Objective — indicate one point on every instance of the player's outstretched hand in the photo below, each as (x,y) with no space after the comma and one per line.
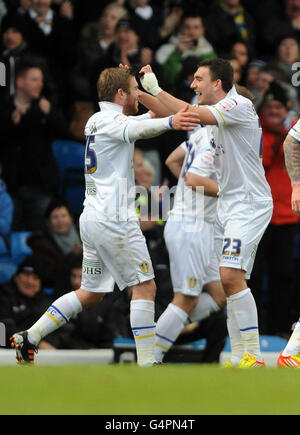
(296,199)
(185,120)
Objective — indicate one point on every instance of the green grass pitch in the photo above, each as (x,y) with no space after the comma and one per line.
(170,389)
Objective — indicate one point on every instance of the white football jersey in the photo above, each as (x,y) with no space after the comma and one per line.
(238,149)
(295,131)
(199,160)
(109,173)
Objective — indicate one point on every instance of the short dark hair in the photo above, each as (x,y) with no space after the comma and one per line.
(25,67)
(54,204)
(220,69)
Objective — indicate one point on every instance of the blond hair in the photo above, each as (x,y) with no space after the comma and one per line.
(111,80)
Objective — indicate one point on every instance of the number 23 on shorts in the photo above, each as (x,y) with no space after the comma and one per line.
(231,246)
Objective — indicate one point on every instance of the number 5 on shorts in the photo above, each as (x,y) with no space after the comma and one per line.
(90,156)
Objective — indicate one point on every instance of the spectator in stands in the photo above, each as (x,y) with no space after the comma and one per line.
(14,48)
(173,15)
(55,246)
(29,124)
(276,249)
(264,79)
(146,20)
(252,72)
(185,79)
(95,39)
(280,25)
(52,36)
(14,53)
(237,70)
(22,300)
(126,50)
(240,51)
(227,23)
(274,73)
(92,328)
(288,53)
(190,41)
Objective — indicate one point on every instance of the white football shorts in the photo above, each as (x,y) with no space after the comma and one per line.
(113,252)
(239,228)
(193,262)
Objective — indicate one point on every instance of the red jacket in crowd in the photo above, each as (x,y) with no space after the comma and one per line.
(276,173)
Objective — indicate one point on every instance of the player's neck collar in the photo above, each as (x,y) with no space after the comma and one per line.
(107,105)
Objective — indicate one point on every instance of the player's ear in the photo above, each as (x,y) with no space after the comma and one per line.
(218,84)
(121,93)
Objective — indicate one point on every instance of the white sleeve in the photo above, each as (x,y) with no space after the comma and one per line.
(146,128)
(230,111)
(128,129)
(141,117)
(295,131)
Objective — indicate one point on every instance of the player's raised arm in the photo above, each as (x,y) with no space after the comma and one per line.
(292,160)
(173,104)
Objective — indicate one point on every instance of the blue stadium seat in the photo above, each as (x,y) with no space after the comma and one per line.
(7,270)
(3,248)
(18,246)
(70,157)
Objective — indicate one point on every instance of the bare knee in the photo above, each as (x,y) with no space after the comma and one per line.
(186,303)
(88,299)
(233,280)
(145,290)
(216,291)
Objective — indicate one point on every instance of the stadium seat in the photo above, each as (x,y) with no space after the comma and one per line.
(3,248)
(18,245)
(70,156)
(7,270)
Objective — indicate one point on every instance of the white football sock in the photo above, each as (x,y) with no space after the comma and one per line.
(244,308)
(236,342)
(206,305)
(143,329)
(57,315)
(293,346)
(168,328)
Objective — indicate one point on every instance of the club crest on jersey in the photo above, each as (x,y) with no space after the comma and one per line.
(121,118)
(145,267)
(192,282)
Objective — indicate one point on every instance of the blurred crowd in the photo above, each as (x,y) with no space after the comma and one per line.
(53,52)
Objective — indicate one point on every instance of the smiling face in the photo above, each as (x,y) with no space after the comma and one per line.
(29,284)
(60,221)
(204,86)
(274,112)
